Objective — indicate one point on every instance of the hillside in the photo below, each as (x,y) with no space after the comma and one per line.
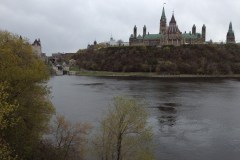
(187,59)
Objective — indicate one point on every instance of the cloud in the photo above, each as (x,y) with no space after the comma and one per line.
(67,25)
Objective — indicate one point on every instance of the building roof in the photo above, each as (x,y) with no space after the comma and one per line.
(173,28)
(37,42)
(139,37)
(191,36)
(153,36)
(173,21)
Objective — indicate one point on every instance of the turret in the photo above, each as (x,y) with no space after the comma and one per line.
(163,22)
(144,31)
(36,46)
(194,29)
(230,34)
(135,31)
(95,43)
(39,41)
(204,33)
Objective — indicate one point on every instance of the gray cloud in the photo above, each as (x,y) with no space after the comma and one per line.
(67,25)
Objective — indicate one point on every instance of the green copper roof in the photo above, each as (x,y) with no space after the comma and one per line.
(190,36)
(153,36)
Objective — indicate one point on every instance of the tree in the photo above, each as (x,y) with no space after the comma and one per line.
(69,139)
(5,152)
(25,74)
(7,120)
(124,133)
(65,141)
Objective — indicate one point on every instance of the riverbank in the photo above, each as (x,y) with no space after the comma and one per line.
(148,75)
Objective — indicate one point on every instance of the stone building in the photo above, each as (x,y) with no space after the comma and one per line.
(168,35)
(230,35)
(37,48)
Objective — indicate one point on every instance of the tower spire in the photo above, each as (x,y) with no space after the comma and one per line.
(163,22)
(230,34)
(163,17)
(230,27)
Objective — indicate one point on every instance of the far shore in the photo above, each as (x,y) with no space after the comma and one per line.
(149,75)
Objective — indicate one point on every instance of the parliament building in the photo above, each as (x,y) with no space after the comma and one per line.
(168,35)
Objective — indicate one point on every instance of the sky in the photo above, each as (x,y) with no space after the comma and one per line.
(69,25)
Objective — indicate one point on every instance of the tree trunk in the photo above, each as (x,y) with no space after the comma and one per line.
(119,147)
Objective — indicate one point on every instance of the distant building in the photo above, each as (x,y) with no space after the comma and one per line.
(112,42)
(36,47)
(230,35)
(168,35)
(95,43)
(119,42)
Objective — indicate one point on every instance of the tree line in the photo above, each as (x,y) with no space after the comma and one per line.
(211,59)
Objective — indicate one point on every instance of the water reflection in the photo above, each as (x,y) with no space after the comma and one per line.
(168,114)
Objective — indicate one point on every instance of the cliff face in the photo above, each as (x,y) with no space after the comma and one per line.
(189,59)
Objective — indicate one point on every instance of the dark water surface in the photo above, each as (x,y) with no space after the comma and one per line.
(192,119)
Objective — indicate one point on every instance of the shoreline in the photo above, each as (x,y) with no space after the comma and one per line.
(148,75)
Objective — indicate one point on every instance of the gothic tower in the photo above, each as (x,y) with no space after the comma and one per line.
(230,34)
(135,31)
(174,34)
(144,31)
(194,29)
(204,33)
(163,22)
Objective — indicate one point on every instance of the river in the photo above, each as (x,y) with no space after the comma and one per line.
(192,119)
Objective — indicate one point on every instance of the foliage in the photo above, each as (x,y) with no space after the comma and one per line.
(124,133)
(187,59)
(8,119)
(66,141)
(7,111)
(27,95)
(5,152)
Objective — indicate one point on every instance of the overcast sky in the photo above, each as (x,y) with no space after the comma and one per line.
(68,25)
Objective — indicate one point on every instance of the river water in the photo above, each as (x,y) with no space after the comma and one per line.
(192,119)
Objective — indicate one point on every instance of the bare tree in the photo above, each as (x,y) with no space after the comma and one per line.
(124,133)
(69,139)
